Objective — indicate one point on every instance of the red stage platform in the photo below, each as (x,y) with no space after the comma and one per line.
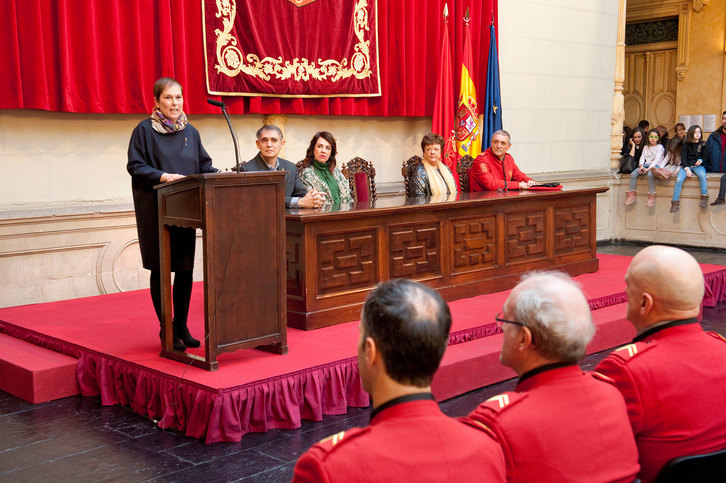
(115,339)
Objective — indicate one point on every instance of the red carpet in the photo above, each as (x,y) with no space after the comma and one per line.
(115,338)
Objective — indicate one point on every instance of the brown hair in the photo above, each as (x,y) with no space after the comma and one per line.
(163,84)
(310,154)
(430,139)
(691,131)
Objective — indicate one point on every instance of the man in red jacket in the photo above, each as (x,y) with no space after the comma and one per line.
(404,331)
(673,375)
(494,169)
(560,423)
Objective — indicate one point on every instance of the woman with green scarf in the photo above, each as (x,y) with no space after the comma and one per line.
(320,173)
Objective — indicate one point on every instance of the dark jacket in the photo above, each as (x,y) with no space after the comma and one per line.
(692,152)
(150,155)
(419,184)
(294,187)
(715,152)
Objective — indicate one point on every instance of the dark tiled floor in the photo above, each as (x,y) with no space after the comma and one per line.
(76,439)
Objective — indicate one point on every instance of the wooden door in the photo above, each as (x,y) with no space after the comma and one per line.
(650,86)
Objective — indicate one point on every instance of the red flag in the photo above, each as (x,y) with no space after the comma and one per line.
(444,108)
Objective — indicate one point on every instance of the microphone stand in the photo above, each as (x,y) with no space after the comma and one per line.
(229,123)
(504,175)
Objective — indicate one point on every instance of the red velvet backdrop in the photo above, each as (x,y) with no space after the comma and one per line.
(296,55)
(91,56)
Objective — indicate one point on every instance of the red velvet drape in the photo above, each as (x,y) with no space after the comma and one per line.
(104,56)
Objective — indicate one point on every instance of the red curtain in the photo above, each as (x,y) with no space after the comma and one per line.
(103,57)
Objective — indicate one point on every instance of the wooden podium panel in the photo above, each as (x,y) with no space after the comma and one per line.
(473,244)
(242,218)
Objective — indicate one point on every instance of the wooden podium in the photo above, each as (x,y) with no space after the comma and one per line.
(242,217)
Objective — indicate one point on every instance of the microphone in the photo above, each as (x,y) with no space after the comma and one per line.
(223,106)
(216,103)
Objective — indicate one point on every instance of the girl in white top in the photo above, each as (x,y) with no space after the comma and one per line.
(653,157)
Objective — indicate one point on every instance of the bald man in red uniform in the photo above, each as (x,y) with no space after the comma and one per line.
(560,423)
(404,331)
(487,173)
(673,375)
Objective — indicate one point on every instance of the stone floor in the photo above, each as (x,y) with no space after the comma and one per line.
(76,439)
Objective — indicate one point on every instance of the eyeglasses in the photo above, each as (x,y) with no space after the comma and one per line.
(654,136)
(500,321)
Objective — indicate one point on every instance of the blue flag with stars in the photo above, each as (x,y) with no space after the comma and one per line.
(492,110)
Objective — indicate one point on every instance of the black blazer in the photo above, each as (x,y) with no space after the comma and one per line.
(294,187)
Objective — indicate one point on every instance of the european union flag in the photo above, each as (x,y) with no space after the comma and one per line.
(492,100)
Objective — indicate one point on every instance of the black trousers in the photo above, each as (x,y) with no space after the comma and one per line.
(722,187)
(181,295)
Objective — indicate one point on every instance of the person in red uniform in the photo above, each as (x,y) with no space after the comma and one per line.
(487,173)
(673,375)
(404,331)
(560,423)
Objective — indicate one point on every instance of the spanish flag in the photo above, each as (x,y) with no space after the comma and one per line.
(468,139)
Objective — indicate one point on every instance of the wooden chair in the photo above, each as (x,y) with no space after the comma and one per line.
(463,169)
(704,468)
(353,168)
(409,166)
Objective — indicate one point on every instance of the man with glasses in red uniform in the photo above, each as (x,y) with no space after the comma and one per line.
(560,423)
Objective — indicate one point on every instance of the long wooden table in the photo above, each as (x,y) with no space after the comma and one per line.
(476,243)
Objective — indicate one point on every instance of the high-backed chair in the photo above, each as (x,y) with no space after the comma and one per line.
(463,169)
(409,166)
(362,179)
(704,468)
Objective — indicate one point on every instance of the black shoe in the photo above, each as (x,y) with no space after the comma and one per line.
(183,333)
(178,345)
(718,201)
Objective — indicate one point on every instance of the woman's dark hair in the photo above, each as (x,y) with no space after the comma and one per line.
(163,84)
(430,139)
(643,137)
(691,130)
(310,154)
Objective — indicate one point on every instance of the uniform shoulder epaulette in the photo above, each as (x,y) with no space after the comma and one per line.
(603,377)
(338,439)
(716,335)
(502,402)
(630,351)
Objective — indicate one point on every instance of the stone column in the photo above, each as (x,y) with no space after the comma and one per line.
(616,137)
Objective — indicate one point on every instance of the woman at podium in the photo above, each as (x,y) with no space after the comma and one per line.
(163,148)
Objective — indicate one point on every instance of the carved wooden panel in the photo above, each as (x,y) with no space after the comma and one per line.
(525,236)
(473,244)
(293,264)
(347,261)
(572,229)
(414,250)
